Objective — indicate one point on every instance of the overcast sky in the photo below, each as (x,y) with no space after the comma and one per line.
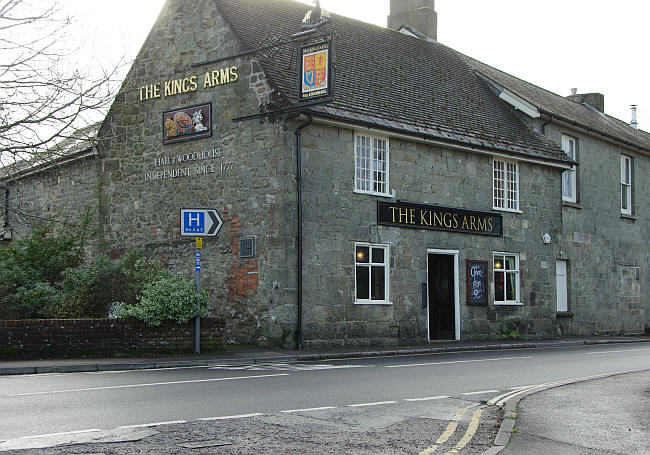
(592,45)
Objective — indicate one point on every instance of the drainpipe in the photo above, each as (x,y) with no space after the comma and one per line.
(6,190)
(298,134)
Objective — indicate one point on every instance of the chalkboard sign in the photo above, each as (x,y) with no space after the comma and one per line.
(477,282)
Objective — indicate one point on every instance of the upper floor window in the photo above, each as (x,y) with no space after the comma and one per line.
(505,186)
(626,185)
(569,181)
(371,165)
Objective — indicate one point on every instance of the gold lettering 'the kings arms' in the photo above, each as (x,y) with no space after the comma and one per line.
(404,215)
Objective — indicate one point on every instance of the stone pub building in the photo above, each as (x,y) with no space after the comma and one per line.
(376,187)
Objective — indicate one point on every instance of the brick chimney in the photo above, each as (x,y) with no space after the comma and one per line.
(419,14)
(596,100)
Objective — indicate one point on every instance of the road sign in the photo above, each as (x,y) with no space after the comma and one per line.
(200,222)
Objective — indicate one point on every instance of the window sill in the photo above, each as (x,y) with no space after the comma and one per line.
(498,209)
(573,205)
(563,314)
(370,193)
(626,216)
(372,302)
(508,304)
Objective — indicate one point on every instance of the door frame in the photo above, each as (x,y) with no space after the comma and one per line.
(455,254)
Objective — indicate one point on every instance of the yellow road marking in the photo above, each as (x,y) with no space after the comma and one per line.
(469,434)
(449,431)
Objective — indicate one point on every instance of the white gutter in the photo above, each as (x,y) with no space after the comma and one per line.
(464,148)
(519,103)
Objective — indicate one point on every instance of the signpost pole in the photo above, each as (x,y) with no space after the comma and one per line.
(199,223)
(197,324)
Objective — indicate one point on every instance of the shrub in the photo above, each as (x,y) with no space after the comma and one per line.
(31,301)
(98,285)
(43,276)
(510,330)
(165,299)
(31,270)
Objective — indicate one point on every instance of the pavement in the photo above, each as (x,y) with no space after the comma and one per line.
(606,416)
(255,356)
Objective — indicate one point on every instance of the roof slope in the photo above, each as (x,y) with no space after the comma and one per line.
(390,80)
(563,108)
(73,146)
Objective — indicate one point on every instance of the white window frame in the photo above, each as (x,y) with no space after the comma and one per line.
(370,184)
(516,271)
(505,186)
(626,184)
(369,264)
(569,147)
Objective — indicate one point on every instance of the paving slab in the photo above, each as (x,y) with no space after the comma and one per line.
(598,417)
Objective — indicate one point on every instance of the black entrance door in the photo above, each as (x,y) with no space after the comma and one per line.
(441,297)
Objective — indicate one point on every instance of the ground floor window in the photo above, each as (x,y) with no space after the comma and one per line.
(371,273)
(506,279)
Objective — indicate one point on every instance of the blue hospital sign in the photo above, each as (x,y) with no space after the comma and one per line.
(194,222)
(200,222)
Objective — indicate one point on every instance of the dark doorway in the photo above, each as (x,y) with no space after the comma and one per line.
(441,297)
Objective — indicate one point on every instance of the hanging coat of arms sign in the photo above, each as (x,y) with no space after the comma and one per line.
(315,72)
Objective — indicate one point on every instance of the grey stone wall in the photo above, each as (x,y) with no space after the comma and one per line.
(336,217)
(60,193)
(607,253)
(249,176)
(252,184)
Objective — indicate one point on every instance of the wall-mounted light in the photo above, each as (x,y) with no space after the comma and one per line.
(546,238)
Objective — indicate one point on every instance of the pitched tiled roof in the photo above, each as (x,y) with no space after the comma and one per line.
(388,79)
(564,109)
(71,147)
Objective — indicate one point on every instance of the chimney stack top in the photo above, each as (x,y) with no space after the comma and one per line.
(595,100)
(634,124)
(419,14)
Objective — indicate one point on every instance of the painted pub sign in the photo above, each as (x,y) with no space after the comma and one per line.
(193,122)
(315,74)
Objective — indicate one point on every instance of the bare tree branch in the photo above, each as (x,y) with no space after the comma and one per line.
(43,99)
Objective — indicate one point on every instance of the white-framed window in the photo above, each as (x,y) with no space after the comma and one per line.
(569,181)
(626,185)
(506,278)
(505,186)
(371,282)
(371,165)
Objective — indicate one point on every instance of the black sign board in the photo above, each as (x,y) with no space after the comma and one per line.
(477,282)
(438,218)
(315,79)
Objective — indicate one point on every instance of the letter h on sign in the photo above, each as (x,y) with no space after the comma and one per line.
(194,222)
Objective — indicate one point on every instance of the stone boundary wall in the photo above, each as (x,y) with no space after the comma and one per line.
(65,337)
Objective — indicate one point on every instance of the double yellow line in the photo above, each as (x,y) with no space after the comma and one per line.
(451,429)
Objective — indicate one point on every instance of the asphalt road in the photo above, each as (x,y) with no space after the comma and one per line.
(381,391)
